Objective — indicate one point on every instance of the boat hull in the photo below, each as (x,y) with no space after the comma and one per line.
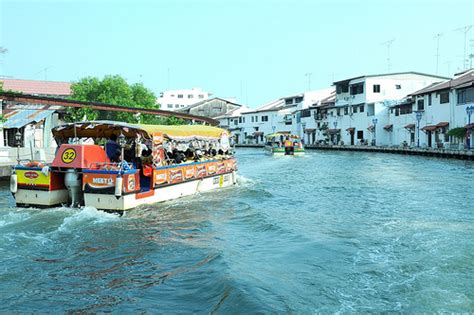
(159,194)
(281,151)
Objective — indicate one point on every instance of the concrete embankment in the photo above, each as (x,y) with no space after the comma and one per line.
(440,153)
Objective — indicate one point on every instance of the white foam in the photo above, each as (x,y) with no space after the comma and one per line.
(86,215)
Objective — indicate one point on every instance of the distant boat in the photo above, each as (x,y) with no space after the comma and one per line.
(151,164)
(282,143)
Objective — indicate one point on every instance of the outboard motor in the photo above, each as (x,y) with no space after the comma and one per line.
(290,150)
(73,183)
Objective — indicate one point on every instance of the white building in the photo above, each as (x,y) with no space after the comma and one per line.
(441,107)
(280,115)
(360,112)
(175,99)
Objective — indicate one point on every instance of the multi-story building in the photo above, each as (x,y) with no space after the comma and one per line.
(441,107)
(360,112)
(176,99)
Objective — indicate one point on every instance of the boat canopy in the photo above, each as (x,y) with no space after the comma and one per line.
(104,129)
(279,134)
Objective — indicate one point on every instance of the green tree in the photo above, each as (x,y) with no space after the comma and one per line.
(114,90)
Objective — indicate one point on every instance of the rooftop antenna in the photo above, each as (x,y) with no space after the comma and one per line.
(45,70)
(309,80)
(388,44)
(448,63)
(437,36)
(465,30)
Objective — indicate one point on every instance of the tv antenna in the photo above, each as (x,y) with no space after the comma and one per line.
(388,44)
(465,30)
(309,80)
(45,71)
(437,36)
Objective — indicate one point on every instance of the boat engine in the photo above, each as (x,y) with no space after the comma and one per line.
(73,183)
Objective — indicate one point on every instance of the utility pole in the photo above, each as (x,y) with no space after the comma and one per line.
(388,44)
(309,80)
(471,55)
(437,36)
(168,78)
(465,30)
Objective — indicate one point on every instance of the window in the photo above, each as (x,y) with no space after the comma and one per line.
(466,95)
(172,95)
(354,109)
(180,95)
(306,113)
(444,97)
(253,119)
(235,122)
(357,88)
(338,112)
(182,105)
(346,110)
(361,108)
(176,105)
(360,134)
(264,118)
(240,120)
(169,105)
(405,109)
(289,101)
(190,96)
(298,99)
(342,89)
(201,95)
(429,99)
(398,86)
(161,94)
(376,88)
(421,104)
(256,118)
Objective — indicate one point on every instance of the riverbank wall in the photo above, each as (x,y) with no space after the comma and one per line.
(440,153)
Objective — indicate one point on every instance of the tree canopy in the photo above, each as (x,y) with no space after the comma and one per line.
(115,90)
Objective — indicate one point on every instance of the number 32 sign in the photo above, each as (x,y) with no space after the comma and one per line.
(68,156)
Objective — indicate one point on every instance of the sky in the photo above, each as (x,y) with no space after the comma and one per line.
(253,50)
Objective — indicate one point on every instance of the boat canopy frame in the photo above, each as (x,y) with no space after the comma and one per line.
(105,129)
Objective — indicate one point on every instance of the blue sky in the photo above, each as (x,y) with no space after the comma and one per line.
(255,51)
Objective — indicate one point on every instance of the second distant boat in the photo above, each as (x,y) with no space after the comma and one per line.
(281,143)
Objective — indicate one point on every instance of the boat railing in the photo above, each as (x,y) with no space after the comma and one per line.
(111,166)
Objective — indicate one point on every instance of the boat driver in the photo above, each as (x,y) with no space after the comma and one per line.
(112,149)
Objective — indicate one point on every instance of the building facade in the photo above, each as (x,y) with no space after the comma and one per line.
(177,99)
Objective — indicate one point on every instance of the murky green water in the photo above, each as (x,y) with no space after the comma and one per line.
(328,232)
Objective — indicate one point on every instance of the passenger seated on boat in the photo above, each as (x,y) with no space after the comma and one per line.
(112,149)
(178,157)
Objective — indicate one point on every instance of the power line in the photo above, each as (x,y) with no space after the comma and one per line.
(388,44)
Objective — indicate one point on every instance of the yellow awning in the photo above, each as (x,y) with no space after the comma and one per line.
(184,131)
(104,129)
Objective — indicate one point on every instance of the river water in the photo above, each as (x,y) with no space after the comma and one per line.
(327,232)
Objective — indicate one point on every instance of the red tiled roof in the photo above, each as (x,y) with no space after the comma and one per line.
(429,128)
(37,87)
(410,126)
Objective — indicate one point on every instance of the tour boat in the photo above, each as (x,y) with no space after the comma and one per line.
(282,143)
(181,161)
